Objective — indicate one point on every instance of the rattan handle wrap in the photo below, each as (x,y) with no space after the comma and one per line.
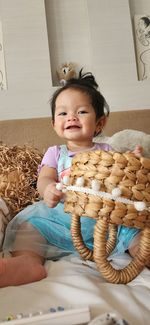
(128,273)
(78,242)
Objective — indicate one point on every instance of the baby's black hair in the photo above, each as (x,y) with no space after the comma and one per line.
(85,83)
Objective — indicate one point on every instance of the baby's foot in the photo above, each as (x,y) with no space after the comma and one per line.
(20,270)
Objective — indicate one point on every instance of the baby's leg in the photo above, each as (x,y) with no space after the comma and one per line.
(134,246)
(26,265)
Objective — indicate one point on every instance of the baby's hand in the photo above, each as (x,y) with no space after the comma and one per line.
(52,196)
(138,151)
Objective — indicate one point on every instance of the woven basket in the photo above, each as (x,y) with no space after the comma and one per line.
(110,171)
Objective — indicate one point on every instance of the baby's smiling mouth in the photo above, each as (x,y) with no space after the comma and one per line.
(70,127)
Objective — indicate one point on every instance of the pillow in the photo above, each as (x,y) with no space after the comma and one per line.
(18,176)
(127,140)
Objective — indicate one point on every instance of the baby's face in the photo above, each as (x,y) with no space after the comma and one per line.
(75,118)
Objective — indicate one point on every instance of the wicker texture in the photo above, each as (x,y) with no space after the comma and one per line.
(132,176)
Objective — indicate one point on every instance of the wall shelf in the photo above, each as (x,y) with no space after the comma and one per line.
(68,34)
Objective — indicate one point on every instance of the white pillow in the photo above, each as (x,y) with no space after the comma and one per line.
(127,140)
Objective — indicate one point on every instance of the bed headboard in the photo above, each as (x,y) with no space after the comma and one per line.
(136,120)
(39,133)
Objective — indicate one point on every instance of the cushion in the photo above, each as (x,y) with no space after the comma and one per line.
(127,140)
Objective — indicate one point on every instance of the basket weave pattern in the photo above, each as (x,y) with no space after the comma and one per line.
(132,176)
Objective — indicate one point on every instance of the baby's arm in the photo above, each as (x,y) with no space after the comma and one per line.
(46,186)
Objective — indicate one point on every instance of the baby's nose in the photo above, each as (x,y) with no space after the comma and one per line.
(72,117)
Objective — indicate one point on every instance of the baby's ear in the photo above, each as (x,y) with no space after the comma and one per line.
(100,124)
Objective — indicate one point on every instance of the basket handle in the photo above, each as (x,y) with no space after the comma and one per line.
(128,273)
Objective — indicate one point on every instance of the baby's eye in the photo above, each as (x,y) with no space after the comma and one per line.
(62,113)
(83,111)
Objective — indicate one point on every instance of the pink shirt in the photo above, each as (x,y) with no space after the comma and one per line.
(51,156)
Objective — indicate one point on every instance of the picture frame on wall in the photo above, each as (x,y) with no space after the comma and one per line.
(142,44)
(3,83)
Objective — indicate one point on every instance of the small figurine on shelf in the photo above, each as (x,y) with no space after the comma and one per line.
(66,72)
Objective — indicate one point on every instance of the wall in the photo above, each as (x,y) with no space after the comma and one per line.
(27,59)
(105,46)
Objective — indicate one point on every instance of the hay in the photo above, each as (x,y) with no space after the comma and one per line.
(18,176)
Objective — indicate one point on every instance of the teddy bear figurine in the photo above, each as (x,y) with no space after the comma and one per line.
(66,72)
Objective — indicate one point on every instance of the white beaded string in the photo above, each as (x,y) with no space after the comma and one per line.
(139,206)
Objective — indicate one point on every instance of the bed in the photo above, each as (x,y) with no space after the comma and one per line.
(71,282)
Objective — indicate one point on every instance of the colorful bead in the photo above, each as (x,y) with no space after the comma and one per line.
(30,314)
(60,308)
(52,310)
(40,312)
(10,317)
(19,316)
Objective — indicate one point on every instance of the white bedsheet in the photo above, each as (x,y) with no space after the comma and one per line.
(72,284)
